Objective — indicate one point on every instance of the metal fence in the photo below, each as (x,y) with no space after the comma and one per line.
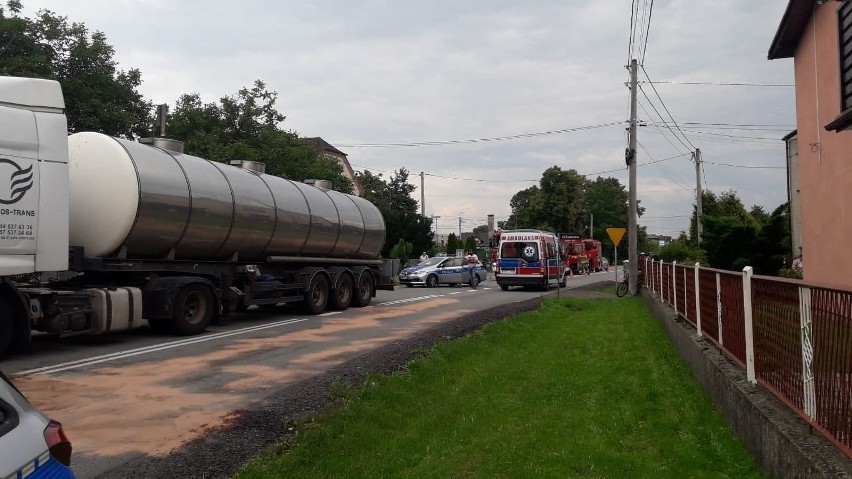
(792,337)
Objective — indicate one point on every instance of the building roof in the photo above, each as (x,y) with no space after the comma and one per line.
(790,30)
(325,146)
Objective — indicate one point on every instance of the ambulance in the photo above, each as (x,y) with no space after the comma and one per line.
(530,259)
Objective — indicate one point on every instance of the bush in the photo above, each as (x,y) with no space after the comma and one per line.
(789,273)
(680,252)
(402,250)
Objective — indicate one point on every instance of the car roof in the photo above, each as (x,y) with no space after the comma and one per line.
(21,429)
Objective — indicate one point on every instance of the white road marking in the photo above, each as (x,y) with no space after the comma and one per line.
(80,363)
(150,349)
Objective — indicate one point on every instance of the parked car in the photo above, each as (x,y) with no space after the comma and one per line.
(31,444)
(440,270)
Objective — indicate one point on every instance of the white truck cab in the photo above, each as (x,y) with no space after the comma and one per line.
(33,159)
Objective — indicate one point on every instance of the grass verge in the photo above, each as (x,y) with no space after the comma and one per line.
(580,388)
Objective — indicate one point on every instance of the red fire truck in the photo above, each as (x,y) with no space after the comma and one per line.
(573,245)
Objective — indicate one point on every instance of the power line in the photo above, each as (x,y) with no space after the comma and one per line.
(478,140)
(480,180)
(724,83)
(657,126)
(536,180)
(747,166)
(664,105)
(695,132)
(737,126)
(634,13)
(663,169)
(762,140)
(665,123)
(641,29)
(647,31)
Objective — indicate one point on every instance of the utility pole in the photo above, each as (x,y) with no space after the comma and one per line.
(632,238)
(460,220)
(698,195)
(592,226)
(435,222)
(422,195)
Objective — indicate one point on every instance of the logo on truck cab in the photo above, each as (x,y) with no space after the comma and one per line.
(14,181)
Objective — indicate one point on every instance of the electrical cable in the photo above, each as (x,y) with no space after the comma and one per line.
(666,123)
(657,126)
(663,169)
(746,166)
(647,32)
(725,83)
(478,140)
(664,105)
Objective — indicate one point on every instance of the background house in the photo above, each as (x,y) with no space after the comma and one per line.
(817,34)
(329,151)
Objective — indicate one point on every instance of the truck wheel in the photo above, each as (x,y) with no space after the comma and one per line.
(431,281)
(504,287)
(316,297)
(7,327)
(342,296)
(364,291)
(193,309)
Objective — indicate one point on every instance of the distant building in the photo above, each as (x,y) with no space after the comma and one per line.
(327,150)
(661,239)
(794,192)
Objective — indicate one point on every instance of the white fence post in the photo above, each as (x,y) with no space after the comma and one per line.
(806,318)
(697,301)
(749,329)
(719,310)
(661,280)
(648,276)
(674,285)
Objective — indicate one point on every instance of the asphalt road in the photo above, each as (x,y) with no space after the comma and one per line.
(133,399)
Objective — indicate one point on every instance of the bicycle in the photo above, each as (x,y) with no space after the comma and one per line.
(624,286)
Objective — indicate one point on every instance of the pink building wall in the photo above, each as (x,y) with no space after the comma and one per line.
(825,157)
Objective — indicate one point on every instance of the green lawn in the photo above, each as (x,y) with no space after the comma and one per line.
(580,388)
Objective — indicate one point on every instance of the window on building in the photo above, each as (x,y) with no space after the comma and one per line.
(844,29)
(844,20)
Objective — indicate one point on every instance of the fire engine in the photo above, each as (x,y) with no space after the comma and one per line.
(573,245)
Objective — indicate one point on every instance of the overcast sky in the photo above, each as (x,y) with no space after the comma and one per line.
(385,72)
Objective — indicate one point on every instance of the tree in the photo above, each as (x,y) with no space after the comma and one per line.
(560,203)
(521,204)
(452,244)
(758,213)
(681,250)
(773,243)
(730,233)
(399,209)
(728,242)
(246,127)
(608,200)
(403,251)
(98,96)
(470,244)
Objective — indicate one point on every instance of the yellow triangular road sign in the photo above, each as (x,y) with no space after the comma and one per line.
(615,234)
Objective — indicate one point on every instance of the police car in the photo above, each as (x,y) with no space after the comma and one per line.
(32,446)
(440,270)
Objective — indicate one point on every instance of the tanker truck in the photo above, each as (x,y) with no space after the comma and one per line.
(97,233)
